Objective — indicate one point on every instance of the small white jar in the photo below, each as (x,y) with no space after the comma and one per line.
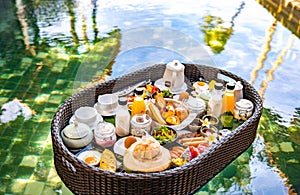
(243,109)
(105,134)
(139,124)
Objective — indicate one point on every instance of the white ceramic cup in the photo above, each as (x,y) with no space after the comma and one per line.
(87,115)
(108,102)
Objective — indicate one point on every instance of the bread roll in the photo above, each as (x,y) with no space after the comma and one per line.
(160,101)
(181,113)
(146,150)
(167,111)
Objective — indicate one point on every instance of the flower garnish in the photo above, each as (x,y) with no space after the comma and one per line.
(211,138)
(205,123)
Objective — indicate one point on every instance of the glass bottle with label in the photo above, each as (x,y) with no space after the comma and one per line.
(215,101)
(228,99)
(138,105)
(238,91)
(122,120)
(228,106)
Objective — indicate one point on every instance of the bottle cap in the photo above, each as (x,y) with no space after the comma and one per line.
(230,86)
(139,91)
(218,86)
(238,85)
(122,101)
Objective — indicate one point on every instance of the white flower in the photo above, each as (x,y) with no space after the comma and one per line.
(211,138)
(205,123)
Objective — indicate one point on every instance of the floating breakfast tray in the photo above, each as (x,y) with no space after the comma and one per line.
(81,178)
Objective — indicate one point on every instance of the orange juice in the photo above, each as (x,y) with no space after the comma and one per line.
(228,99)
(138,105)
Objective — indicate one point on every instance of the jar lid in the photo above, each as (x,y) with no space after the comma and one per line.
(244,104)
(76,130)
(238,85)
(218,86)
(141,119)
(139,91)
(104,128)
(122,101)
(230,86)
(175,66)
(195,103)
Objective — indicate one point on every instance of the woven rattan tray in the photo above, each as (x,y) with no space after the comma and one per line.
(84,179)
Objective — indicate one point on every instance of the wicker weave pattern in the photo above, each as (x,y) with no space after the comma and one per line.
(83,179)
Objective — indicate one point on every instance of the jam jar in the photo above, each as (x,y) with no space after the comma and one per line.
(243,109)
(140,123)
(105,134)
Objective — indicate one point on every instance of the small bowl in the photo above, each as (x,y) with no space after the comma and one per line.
(195,125)
(160,140)
(210,130)
(211,118)
(86,114)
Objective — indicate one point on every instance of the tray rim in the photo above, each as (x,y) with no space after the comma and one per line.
(68,156)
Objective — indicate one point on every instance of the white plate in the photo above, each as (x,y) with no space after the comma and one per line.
(184,123)
(102,112)
(87,153)
(119,147)
(161,85)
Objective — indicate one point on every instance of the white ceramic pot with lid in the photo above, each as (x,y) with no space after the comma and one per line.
(174,75)
(77,135)
(243,109)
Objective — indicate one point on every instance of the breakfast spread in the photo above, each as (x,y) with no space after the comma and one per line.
(168,124)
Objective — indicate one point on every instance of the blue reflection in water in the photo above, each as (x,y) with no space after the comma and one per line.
(256,39)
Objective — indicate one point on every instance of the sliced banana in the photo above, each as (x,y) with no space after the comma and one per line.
(156,113)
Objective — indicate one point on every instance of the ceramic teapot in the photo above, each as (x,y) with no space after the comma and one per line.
(174,76)
(77,135)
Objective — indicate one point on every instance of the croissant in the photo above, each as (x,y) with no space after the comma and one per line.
(181,113)
(167,111)
(160,101)
(173,120)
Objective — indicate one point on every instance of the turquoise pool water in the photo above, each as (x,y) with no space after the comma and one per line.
(51,49)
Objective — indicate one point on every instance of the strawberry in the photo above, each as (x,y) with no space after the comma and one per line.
(194,152)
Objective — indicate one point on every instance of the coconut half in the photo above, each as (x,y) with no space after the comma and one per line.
(146,155)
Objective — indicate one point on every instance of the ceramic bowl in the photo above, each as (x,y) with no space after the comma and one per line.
(213,120)
(195,125)
(85,114)
(156,131)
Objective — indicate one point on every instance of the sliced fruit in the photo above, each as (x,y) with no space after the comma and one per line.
(194,152)
(156,114)
(211,85)
(108,161)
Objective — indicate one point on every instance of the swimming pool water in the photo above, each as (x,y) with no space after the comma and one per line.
(51,49)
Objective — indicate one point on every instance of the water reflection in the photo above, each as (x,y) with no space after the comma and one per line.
(266,49)
(281,146)
(21,15)
(276,64)
(49,49)
(217,32)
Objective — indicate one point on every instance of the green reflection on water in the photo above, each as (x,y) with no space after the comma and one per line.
(42,74)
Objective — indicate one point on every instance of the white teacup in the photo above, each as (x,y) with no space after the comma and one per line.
(87,115)
(108,102)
